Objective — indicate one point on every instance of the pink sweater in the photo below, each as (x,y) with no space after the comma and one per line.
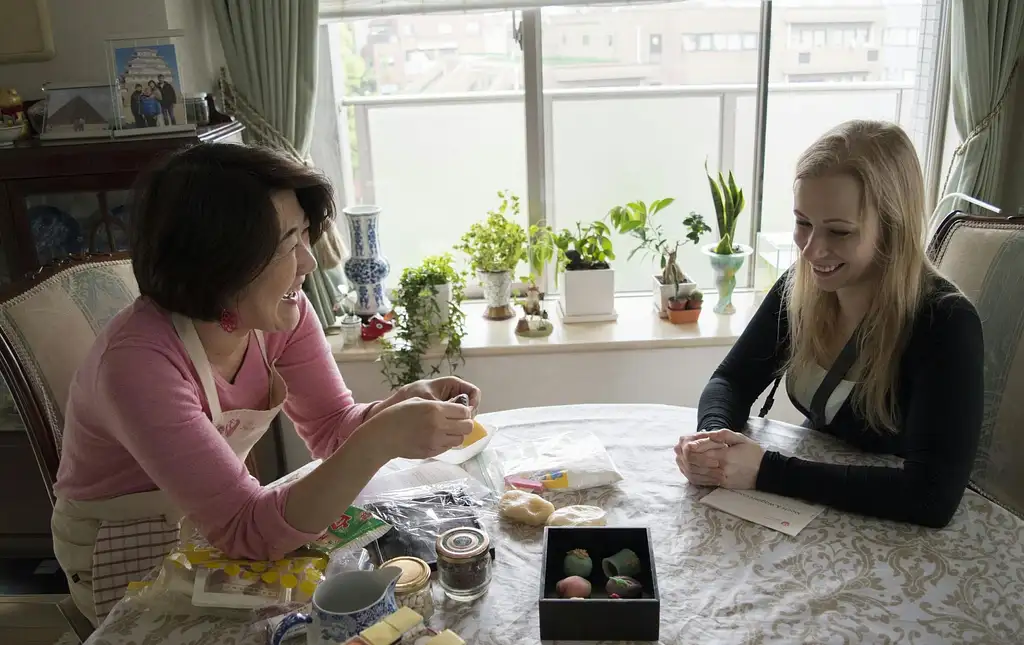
(137,420)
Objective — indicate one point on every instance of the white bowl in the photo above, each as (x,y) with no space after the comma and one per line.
(10,134)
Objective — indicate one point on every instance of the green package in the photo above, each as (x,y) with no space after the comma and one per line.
(355,529)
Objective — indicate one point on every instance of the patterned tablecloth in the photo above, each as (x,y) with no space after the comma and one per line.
(843,579)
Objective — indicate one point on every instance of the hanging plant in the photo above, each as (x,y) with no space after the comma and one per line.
(423,317)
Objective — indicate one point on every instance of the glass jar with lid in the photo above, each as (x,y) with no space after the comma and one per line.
(464,563)
(413,589)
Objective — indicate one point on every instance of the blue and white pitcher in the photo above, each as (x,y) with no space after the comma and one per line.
(343,606)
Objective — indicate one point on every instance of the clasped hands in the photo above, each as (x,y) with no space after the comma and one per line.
(720,458)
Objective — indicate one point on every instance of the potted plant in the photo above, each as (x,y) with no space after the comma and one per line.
(588,292)
(427,305)
(726,255)
(636,220)
(685,309)
(495,247)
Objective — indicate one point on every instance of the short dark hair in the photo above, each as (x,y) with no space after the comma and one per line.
(204,226)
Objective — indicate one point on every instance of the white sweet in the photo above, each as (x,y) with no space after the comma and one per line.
(579,515)
(527,508)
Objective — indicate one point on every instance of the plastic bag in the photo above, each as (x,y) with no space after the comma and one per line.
(419,515)
(564,461)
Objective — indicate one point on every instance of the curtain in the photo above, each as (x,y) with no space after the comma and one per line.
(269,84)
(986,48)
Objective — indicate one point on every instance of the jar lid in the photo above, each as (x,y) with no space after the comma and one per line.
(415,573)
(462,543)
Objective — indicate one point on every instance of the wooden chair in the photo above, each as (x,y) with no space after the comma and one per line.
(48,323)
(984,256)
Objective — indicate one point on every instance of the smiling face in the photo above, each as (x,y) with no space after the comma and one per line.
(270,302)
(834,234)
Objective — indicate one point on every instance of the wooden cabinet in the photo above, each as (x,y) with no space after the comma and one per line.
(61,198)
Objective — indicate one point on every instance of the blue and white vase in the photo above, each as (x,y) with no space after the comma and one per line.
(366,269)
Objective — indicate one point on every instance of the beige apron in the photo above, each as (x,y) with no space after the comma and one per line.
(102,545)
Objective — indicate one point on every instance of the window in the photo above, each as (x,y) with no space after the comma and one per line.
(655,45)
(421,163)
(437,122)
(444,28)
(803,100)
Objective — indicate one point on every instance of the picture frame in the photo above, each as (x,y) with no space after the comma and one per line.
(146,84)
(77,111)
(26,34)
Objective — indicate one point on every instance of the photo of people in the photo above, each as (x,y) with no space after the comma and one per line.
(149,87)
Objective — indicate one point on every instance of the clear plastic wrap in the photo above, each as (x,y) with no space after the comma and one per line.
(562,461)
(420,514)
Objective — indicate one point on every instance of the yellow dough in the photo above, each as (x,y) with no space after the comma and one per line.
(478,433)
(527,508)
(578,516)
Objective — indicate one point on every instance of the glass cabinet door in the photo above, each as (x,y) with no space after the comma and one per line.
(63,223)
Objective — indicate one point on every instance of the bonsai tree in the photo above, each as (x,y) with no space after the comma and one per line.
(498,244)
(636,220)
(729,203)
(420,321)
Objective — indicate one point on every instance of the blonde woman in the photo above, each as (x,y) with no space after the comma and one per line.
(876,347)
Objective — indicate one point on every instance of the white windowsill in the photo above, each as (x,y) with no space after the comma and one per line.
(638,327)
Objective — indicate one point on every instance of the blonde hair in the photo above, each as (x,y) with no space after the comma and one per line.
(881,157)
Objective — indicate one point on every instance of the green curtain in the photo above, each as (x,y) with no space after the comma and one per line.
(270,84)
(986,48)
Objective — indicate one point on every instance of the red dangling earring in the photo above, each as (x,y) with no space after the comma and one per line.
(228,320)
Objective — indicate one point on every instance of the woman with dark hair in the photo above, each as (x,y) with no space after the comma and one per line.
(179,386)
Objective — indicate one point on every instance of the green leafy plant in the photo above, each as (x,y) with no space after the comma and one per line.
(498,243)
(589,247)
(636,220)
(729,203)
(420,321)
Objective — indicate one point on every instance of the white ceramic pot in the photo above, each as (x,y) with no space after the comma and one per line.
(367,268)
(588,296)
(444,299)
(497,294)
(662,292)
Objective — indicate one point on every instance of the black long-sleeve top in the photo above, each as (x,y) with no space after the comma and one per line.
(939,394)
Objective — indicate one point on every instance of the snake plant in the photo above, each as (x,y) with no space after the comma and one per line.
(729,203)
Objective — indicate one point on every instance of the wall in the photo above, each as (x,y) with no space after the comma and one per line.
(667,376)
(79,30)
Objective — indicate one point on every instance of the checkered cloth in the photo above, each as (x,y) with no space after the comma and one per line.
(126,552)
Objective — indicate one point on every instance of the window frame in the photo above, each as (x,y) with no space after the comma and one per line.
(537,105)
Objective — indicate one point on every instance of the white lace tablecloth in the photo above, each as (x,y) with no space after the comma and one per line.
(843,579)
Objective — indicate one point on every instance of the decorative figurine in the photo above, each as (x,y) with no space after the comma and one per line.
(573,587)
(623,587)
(376,327)
(534,323)
(578,563)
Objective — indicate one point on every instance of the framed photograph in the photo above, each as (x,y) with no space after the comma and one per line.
(77,111)
(147,84)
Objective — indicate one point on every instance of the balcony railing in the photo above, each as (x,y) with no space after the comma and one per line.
(434,163)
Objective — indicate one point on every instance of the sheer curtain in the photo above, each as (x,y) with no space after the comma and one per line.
(270,85)
(986,49)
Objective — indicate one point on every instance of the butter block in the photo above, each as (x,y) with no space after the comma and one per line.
(447,637)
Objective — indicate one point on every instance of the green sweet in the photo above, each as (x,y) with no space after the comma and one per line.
(578,563)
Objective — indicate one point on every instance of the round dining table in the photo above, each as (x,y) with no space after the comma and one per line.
(845,578)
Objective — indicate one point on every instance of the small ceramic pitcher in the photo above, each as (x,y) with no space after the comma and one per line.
(343,606)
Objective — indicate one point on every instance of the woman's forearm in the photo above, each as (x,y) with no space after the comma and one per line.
(321,497)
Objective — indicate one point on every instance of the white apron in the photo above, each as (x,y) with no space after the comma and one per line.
(102,545)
